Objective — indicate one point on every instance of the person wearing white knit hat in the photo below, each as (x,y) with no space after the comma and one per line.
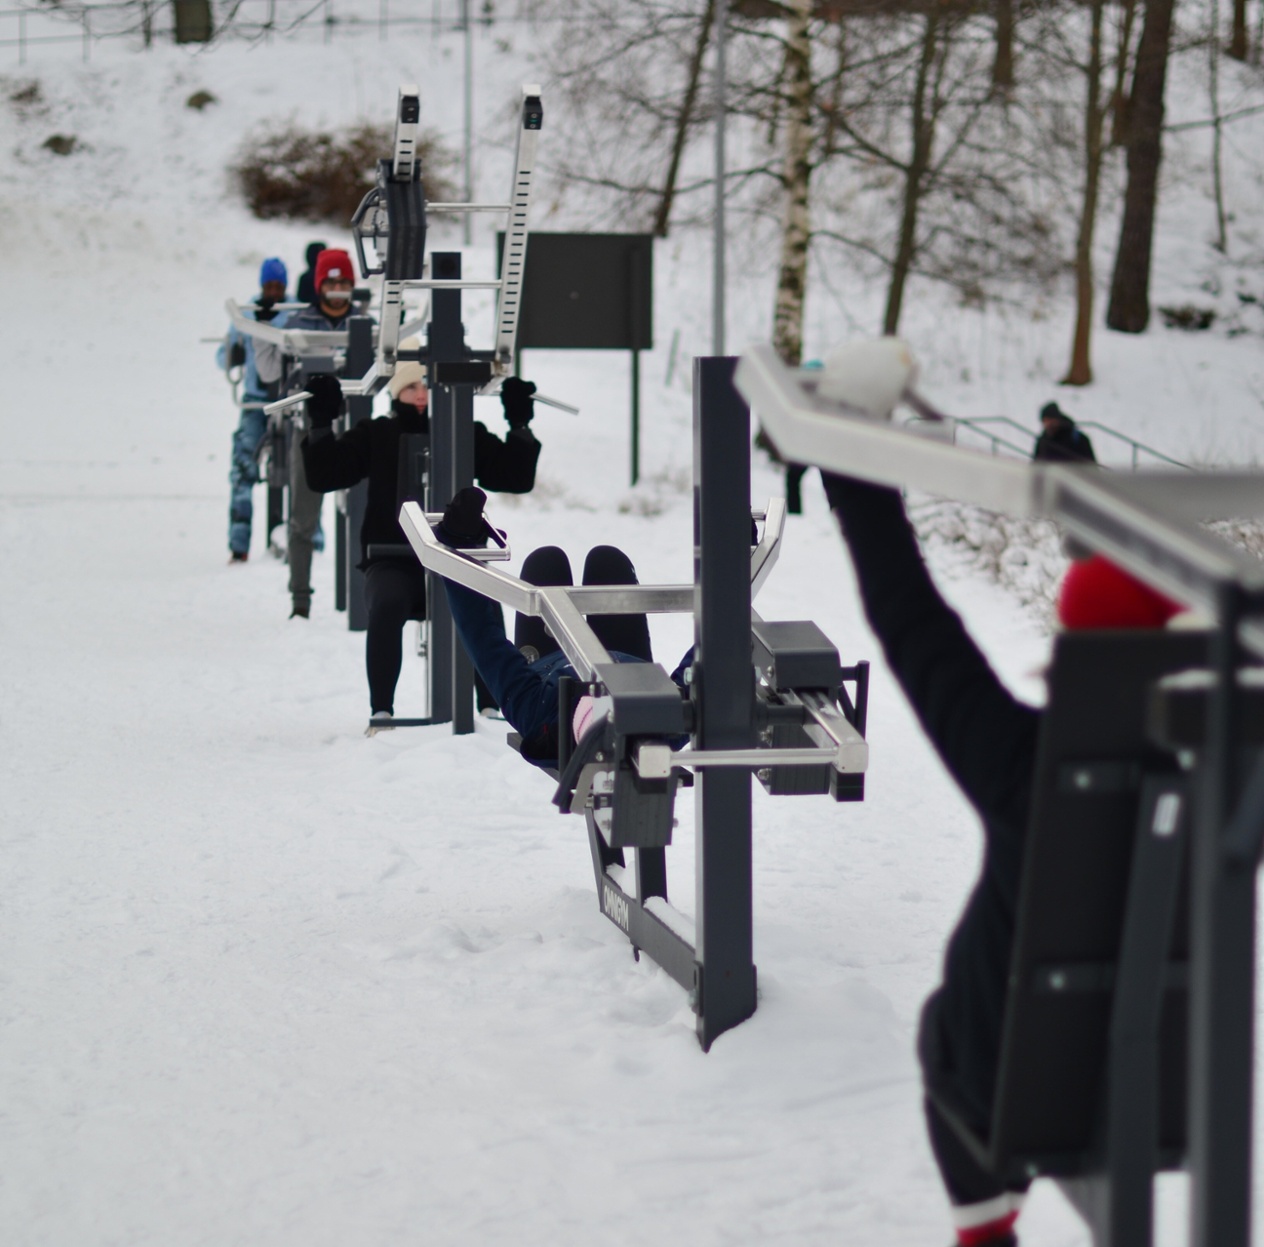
(408,385)
(395,583)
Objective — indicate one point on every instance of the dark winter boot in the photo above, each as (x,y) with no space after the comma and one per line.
(546,566)
(628,634)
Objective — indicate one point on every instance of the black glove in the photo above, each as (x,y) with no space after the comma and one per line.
(463,525)
(515,397)
(236,354)
(265,310)
(326,400)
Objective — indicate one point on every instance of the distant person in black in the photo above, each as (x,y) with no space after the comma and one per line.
(307,283)
(987,740)
(1060,441)
(395,586)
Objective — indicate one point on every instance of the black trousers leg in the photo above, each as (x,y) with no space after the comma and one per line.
(629,634)
(546,566)
(394,593)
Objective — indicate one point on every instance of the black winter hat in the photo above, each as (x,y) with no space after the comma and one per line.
(1051,411)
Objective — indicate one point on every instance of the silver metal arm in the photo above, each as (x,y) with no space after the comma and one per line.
(513,257)
(563,607)
(764,556)
(292,341)
(407,126)
(1142,521)
(284,404)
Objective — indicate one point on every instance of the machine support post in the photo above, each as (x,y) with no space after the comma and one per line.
(636,416)
(1222,971)
(462,475)
(360,352)
(723,694)
(451,468)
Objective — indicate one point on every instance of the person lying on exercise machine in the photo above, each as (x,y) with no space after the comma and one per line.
(523,674)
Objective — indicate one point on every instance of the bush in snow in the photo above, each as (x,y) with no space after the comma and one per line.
(286,171)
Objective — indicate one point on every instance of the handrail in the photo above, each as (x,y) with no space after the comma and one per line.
(1136,445)
(973,422)
(996,441)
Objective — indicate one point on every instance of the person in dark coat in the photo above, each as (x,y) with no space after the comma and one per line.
(987,740)
(306,292)
(395,586)
(1060,440)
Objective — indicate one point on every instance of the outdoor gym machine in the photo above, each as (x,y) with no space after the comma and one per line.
(389,229)
(764,697)
(1129,1037)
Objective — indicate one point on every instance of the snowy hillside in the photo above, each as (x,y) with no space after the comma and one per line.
(268,982)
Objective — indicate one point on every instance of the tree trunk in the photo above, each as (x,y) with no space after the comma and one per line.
(662,217)
(1217,137)
(1129,309)
(1119,98)
(1003,65)
(1238,43)
(787,323)
(1081,369)
(193,21)
(914,176)
(833,104)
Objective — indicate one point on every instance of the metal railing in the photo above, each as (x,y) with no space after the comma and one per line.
(982,427)
(28,26)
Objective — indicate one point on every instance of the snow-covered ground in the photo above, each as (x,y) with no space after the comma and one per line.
(267,982)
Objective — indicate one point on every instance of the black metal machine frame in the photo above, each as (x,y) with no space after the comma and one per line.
(765,698)
(1148,523)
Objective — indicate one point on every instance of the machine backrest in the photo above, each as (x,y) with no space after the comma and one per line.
(1091,758)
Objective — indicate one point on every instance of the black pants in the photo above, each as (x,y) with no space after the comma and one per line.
(394,592)
(605,565)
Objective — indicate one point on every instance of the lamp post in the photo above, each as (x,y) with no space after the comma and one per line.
(721,104)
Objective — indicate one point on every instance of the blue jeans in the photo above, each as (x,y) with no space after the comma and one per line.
(243,473)
(243,476)
(526,691)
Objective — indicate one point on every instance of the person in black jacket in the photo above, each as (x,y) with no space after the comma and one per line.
(1061,440)
(987,740)
(395,586)
(306,292)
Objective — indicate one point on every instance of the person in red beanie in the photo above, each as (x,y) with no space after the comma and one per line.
(1097,594)
(334,280)
(987,740)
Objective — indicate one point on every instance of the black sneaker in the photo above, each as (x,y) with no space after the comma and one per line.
(237,556)
(302,610)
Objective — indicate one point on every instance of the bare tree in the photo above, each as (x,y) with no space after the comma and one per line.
(1129,308)
(1119,97)
(1217,123)
(1239,45)
(1003,66)
(787,324)
(922,124)
(662,217)
(1081,369)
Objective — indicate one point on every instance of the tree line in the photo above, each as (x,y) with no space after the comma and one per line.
(956,140)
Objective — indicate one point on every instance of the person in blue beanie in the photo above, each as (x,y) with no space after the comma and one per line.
(237,351)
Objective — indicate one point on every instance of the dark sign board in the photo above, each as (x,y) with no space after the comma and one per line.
(587,292)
